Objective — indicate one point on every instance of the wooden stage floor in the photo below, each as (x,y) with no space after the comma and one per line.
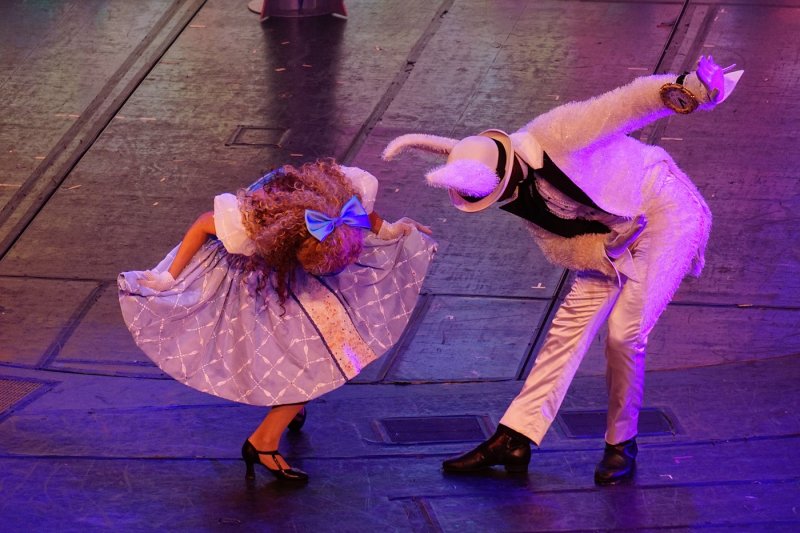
(121,120)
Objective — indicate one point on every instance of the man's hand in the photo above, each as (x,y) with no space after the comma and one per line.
(713,77)
(617,243)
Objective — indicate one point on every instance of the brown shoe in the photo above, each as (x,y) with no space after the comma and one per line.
(618,464)
(506,447)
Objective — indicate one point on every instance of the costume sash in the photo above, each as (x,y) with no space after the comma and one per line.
(335,327)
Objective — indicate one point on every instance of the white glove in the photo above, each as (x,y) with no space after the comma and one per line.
(158,281)
(404,226)
(712,76)
(617,243)
(709,83)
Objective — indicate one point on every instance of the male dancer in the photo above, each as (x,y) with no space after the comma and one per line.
(618,211)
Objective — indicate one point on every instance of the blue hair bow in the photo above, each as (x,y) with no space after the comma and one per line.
(352,214)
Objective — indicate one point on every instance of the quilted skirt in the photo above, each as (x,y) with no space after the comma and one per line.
(215,331)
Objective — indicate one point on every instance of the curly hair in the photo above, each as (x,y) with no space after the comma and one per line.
(274,218)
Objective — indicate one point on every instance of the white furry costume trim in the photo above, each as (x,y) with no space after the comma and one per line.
(420,141)
(678,225)
(588,141)
(584,252)
(466,176)
(679,222)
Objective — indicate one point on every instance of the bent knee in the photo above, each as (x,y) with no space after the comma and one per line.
(629,344)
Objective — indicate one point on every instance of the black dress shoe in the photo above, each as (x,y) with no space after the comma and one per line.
(506,447)
(618,464)
(252,456)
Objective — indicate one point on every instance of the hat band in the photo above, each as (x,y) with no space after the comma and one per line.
(501,158)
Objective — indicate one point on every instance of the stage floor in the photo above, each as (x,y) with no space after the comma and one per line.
(120,122)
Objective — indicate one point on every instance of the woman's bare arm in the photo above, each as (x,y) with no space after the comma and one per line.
(195,237)
(375,221)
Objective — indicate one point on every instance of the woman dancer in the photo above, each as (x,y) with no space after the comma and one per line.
(282,293)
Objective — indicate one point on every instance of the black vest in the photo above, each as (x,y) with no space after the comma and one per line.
(530,205)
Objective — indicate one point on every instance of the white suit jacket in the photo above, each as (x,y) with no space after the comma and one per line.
(588,141)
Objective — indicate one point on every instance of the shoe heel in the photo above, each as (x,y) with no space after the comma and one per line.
(518,465)
(250,458)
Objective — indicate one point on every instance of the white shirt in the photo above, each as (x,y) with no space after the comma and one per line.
(565,207)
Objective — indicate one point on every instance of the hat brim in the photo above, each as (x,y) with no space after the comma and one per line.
(473,205)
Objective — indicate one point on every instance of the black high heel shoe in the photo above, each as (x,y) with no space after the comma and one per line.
(299,419)
(252,456)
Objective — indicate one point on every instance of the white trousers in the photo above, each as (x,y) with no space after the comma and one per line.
(592,300)
(671,246)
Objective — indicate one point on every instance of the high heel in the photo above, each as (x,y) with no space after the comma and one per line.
(252,456)
(299,419)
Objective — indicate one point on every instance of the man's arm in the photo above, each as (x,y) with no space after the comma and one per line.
(575,125)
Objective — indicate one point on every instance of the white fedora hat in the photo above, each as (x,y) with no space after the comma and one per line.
(478,169)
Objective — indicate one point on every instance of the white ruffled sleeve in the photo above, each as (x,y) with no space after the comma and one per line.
(229,227)
(365,183)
